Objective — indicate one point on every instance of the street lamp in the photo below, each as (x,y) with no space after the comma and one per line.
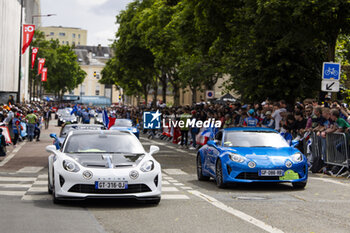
(30,84)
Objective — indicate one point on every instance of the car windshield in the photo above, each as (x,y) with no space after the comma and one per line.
(63,111)
(123,123)
(254,139)
(69,128)
(103,143)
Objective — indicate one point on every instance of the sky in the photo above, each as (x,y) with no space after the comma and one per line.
(96,16)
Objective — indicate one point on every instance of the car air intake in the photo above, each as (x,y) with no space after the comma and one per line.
(61,180)
(156,181)
(90,188)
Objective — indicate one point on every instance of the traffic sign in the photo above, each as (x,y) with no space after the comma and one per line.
(330,85)
(210,94)
(331,71)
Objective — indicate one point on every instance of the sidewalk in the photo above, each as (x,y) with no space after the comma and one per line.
(30,154)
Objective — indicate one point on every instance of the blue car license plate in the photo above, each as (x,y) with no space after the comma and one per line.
(271,173)
(111,185)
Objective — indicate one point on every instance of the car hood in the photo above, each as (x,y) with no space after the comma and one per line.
(97,161)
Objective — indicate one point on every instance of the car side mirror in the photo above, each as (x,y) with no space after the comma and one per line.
(213,143)
(153,149)
(51,149)
(53,135)
(295,143)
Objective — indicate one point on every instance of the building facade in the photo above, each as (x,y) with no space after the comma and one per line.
(12,13)
(92,60)
(66,35)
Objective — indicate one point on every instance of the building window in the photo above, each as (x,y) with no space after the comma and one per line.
(62,42)
(52,33)
(73,35)
(97,92)
(79,36)
(67,42)
(73,43)
(62,34)
(78,43)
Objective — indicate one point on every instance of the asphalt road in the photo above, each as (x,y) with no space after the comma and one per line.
(187,205)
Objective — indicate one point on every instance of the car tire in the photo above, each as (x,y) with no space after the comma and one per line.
(200,175)
(299,185)
(49,188)
(219,177)
(54,198)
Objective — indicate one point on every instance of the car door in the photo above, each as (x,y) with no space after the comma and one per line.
(214,152)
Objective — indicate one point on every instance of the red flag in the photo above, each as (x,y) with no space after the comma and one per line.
(28,33)
(41,65)
(111,121)
(34,53)
(44,74)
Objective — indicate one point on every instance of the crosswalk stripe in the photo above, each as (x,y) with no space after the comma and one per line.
(165,182)
(9,178)
(12,193)
(30,170)
(169,189)
(37,189)
(43,176)
(178,184)
(15,185)
(173,181)
(174,196)
(174,172)
(40,182)
(36,197)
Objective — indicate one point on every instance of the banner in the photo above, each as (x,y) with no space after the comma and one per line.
(44,74)
(41,65)
(34,53)
(28,33)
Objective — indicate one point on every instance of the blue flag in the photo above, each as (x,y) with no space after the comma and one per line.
(105,118)
(74,110)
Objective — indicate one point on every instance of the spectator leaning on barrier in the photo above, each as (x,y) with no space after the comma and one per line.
(2,144)
(341,124)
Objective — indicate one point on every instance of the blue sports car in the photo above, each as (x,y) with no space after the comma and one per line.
(125,125)
(245,155)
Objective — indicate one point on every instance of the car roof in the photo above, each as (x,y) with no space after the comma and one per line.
(106,132)
(249,129)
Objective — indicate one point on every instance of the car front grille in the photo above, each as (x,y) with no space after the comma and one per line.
(255,176)
(90,188)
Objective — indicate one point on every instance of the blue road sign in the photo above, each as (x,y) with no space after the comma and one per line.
(331,71)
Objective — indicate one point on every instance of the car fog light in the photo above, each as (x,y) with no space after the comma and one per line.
(288,164)
(251,164)
(133,175)
(87,175)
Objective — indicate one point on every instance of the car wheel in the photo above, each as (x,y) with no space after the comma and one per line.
(219,178)
(200,175)
(49,189)
(54,198)
(299,185)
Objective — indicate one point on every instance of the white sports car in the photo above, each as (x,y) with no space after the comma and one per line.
(103,164)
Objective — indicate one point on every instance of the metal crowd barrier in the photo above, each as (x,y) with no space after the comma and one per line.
(337,151)
(316,146)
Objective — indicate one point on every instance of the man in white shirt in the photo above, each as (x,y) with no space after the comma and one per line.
(277,115)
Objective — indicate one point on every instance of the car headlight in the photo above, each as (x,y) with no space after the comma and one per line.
(134,130)
(237,158)
(147,166)
(297,157)
(70,166)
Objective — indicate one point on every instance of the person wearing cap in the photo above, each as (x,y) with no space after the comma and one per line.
(268,121)
(16,127)
(31,118)
(250,121)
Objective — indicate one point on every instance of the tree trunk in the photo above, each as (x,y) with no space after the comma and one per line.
(163,80)
(194,95)
(145,95)
(155,93)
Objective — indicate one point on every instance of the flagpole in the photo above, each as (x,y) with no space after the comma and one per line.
(20,57)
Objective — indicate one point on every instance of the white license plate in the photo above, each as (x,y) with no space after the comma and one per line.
(111,185)
(271,173)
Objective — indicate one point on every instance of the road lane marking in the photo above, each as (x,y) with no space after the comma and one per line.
(9,178)
(173,197)
(41,182)
(174,172)
(29,170)
(235,212)
(330,181)
(173,181)
(169,189)
(186,188)
(36,197)
(12,154)
(12,193)
(165,182)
